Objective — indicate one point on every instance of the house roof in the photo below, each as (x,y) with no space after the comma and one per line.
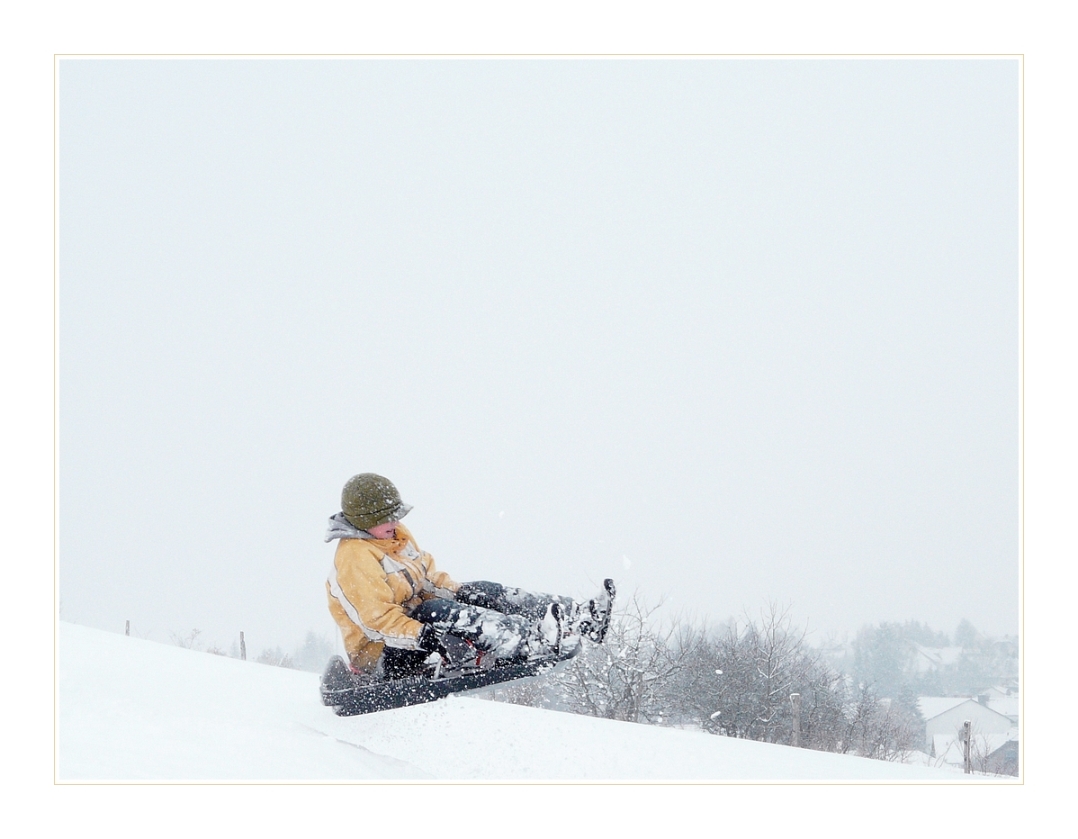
(933,658)
(1006,705)
(933,706)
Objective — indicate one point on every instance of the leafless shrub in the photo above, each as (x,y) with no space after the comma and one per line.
(190,641)
(742,677)
(878,727)
(276,657)
(631,675)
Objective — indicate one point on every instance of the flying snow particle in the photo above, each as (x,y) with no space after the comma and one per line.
(625,562)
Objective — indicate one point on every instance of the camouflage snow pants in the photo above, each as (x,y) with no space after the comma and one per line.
(492,617)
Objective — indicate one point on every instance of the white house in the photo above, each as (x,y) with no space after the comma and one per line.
(945,717)
(927,659)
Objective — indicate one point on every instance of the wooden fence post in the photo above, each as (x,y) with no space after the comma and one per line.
(795,698)
(967,743)
(243,647)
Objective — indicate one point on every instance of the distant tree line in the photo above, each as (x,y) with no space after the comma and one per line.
(735,679)
(898,658)
(311,655)
(738,679)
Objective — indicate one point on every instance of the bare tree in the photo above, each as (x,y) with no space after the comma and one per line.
(878,727)
(189,641)
(276,656)
(629,677)
(745,674)
(742,676)
(313,653)
(981,750)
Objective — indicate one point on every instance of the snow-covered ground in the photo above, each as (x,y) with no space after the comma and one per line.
(134,710)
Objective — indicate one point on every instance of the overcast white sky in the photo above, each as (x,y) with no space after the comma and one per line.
(727,331)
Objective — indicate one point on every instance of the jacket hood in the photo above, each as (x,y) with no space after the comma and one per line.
(341,528)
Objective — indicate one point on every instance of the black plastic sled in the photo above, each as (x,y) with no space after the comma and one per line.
(350,694)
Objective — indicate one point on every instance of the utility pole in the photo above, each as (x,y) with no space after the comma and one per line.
(127,628)
(966,742)
(243,647)
(795,698)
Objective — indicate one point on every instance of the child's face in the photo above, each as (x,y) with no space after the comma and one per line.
(384,531)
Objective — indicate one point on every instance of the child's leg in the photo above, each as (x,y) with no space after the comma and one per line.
(509,601)
(504,636)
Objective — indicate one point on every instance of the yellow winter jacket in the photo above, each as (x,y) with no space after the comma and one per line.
(373,587)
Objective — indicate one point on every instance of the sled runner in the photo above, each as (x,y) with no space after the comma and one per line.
(350,694)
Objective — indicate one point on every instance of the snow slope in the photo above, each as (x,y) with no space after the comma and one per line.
(134,710)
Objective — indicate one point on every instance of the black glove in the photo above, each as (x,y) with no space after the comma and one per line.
(430,641)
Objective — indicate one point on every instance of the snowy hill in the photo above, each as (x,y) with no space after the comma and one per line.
(131,709)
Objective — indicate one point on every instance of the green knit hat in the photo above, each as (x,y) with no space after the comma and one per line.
(369,500)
